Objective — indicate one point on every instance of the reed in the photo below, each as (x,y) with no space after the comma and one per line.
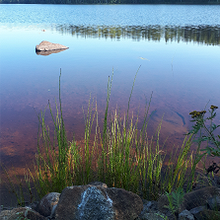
(120,154)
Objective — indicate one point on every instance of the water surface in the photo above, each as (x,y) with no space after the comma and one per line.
(176,46)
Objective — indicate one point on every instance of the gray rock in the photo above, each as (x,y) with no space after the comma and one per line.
(214,203)
(149,206)
(197,211)
(186,215)
(48,204)
(94,205)
(46,46)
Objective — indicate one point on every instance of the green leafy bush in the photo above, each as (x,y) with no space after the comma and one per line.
(206,133)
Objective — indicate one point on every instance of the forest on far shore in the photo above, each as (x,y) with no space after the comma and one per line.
(109,1)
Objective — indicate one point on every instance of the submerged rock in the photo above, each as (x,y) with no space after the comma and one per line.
(46,48)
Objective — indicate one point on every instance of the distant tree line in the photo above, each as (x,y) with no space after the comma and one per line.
(109,1)
(209,35)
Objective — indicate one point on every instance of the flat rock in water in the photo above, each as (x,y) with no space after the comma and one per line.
(48,46)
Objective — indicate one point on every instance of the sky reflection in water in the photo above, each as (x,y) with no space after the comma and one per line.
(183,74)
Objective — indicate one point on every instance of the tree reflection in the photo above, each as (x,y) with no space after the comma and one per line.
(205,34)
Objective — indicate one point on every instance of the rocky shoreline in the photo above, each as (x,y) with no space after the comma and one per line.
(96,201)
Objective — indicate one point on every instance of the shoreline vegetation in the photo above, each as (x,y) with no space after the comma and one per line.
(119,154)
(106,2)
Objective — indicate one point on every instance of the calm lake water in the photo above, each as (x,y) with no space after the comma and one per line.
(178,48)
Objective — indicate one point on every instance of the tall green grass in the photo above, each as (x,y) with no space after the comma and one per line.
(120,154)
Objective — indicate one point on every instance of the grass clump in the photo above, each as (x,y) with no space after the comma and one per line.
(119,154)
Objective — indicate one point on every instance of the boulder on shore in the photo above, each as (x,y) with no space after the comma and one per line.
(46,46)
(96,201)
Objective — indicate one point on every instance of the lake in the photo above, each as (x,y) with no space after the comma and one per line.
(177,47)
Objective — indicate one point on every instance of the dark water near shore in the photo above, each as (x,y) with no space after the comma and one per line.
(178,48)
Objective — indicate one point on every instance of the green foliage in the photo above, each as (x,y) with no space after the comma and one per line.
(175,199)
(206,133)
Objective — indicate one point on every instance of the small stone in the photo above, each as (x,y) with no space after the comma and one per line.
(47,204)
(214,203)
(186,215)
(149,206)
(197,210)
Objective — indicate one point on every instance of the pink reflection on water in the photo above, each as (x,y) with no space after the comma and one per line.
(27,85)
